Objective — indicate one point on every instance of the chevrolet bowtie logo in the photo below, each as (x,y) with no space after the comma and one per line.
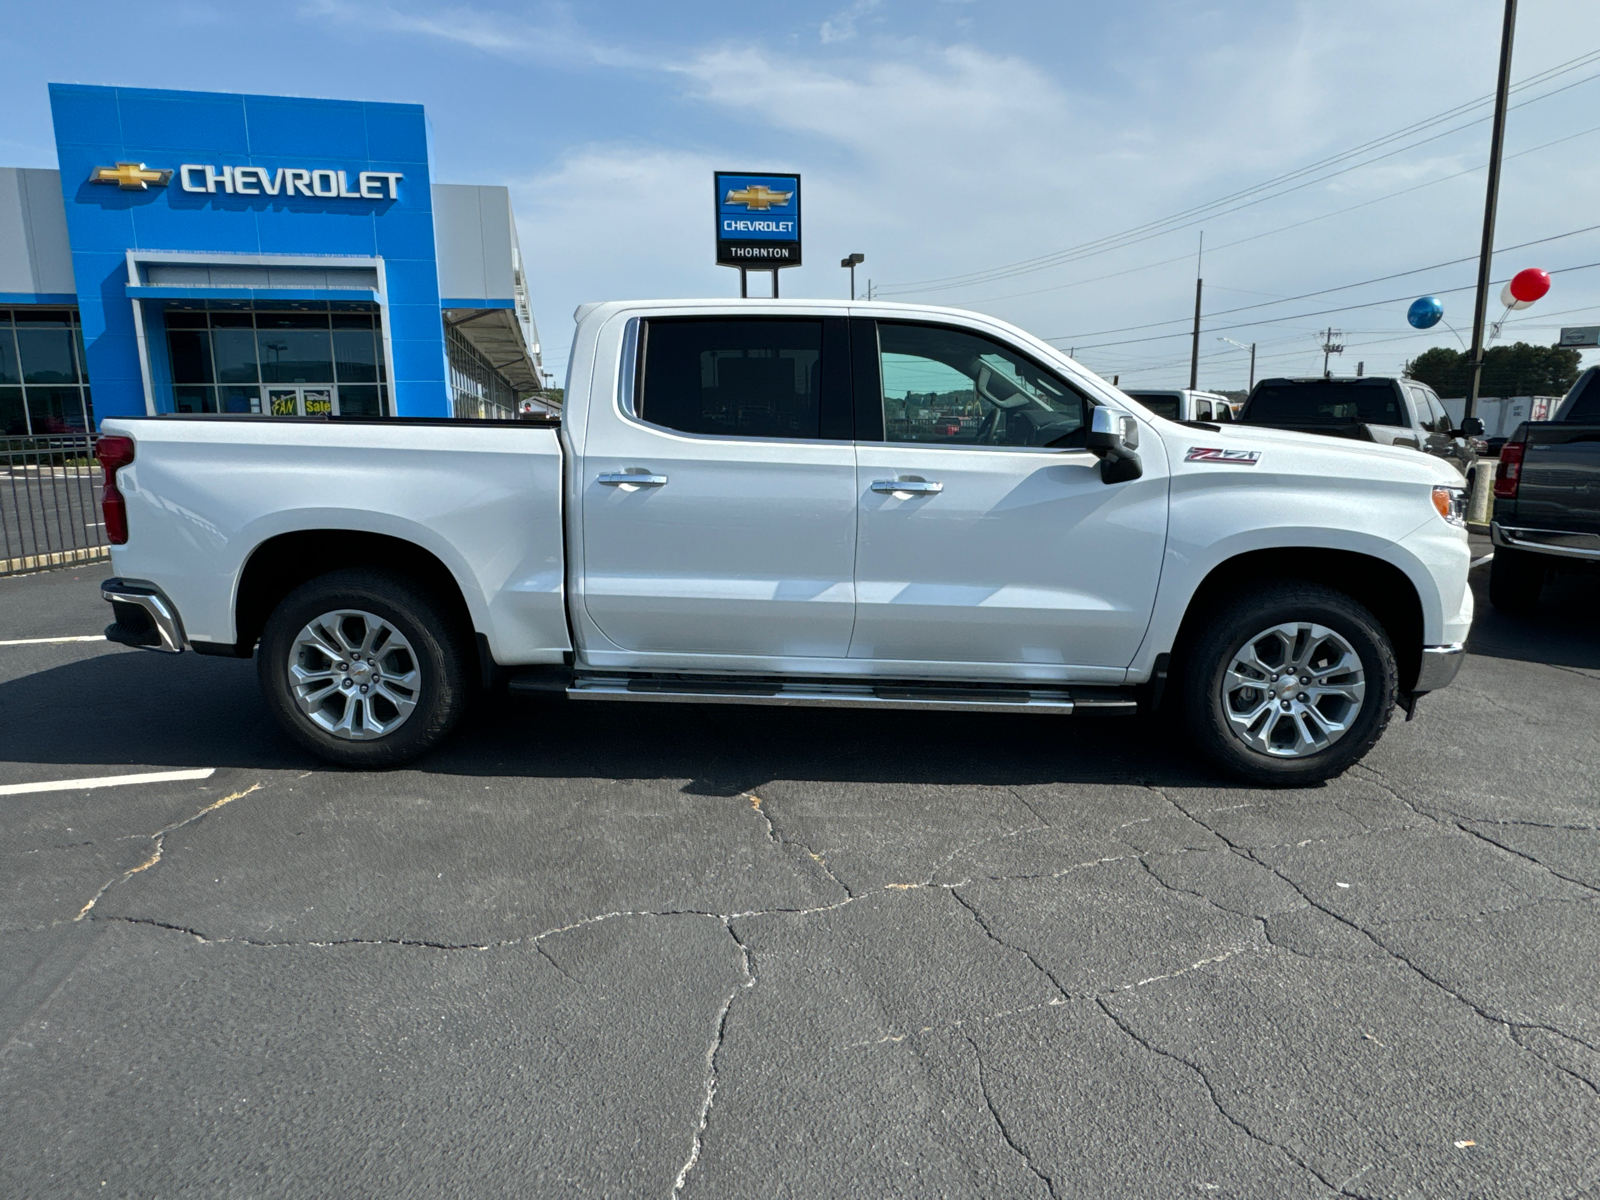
(757,197)
(131,177)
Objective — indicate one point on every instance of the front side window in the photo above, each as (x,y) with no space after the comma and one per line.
(949,387)
(734,378)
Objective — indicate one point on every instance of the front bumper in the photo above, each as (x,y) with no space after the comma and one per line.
(1439,666)
(145,617)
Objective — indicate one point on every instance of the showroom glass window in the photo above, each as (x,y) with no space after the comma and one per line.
(43,387)
(301,360)
(757,378)
(948,387)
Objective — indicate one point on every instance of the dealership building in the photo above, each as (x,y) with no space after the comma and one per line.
(205,252)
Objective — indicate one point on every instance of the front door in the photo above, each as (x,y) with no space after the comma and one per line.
(986,534)
(301,401)
(721,519)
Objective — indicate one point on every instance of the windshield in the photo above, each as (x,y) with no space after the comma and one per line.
(1324,402)
(1163,404)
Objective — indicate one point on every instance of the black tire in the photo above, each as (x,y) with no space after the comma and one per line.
(437,648)
(1515,580)
(1210,652)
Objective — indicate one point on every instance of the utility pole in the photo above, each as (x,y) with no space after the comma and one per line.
(1199,285)
(1329,346)
(1491,201)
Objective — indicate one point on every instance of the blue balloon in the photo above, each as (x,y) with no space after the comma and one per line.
(1425,312)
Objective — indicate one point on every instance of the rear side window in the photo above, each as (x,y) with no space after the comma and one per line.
(1584,405)
(1339,402)
(734,378)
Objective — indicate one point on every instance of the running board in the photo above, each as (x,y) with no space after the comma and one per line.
(952,697)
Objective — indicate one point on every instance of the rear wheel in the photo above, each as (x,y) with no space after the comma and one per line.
(1515,580)
(363,668)
(1289,684)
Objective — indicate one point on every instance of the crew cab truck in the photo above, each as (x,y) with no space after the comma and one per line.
(1390,412)
(1547,499)
(761,502)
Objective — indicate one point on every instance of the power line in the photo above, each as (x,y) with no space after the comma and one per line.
(1302,316)
(1338,212)
(1343,287)
(1203,211)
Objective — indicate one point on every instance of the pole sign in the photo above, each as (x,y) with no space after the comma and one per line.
(1580,337)
(758,220)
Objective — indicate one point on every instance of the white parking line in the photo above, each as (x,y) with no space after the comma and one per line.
(100,781)
(1478,562)
(88,637)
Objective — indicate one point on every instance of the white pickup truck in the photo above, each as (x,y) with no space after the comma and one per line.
(804,503)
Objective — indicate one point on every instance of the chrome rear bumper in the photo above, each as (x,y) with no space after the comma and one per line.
(1565,543)
(145,617)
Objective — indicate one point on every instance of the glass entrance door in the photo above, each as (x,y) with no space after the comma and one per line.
(301,402)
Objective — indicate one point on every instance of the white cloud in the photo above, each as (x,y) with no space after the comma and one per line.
(841,27)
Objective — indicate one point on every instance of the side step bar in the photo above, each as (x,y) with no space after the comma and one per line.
(952,697)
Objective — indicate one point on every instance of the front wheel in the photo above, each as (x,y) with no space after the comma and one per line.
(362,668)
(1289,684)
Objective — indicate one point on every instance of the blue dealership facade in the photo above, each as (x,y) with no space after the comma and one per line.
(209,252)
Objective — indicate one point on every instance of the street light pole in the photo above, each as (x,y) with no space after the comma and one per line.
(1490,204)
(1252,348)
(850,261)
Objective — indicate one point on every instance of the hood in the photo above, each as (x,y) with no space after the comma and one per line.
(1285,450)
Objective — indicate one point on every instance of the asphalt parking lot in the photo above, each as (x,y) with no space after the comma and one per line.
(652,950)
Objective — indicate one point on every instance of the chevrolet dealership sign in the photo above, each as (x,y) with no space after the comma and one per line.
(255,181)
(758,220)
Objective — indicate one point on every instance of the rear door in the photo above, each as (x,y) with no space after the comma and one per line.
(986,533)
(718,492)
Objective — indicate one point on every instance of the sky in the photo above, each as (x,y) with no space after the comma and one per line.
(1052,164)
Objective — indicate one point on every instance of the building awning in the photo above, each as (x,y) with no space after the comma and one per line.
(497,335)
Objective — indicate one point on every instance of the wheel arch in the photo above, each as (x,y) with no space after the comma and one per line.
(283,562)
(1381,586)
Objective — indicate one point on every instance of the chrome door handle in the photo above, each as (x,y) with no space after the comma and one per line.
(911,487)
(620,478)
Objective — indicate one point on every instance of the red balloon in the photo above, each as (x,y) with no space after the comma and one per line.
(1530,285)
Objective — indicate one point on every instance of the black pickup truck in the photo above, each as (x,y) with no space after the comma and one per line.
(1547,499)
(1392,412)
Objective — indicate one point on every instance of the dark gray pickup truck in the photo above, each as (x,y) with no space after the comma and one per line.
(1547,499)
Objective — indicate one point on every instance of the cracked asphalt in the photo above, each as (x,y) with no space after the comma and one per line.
(651,950)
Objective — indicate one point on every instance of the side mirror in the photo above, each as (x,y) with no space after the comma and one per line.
(1471,427)
(1114,437)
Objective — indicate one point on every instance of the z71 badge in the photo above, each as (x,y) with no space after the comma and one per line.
(1237,458)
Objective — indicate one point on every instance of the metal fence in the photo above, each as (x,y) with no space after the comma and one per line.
(49,502)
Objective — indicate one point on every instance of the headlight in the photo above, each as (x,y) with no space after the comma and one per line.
(1451,504)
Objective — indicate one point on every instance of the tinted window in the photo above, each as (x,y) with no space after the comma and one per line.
(1583,403)
(1163,404)
(950,387)
(1320,402)
(736,378)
